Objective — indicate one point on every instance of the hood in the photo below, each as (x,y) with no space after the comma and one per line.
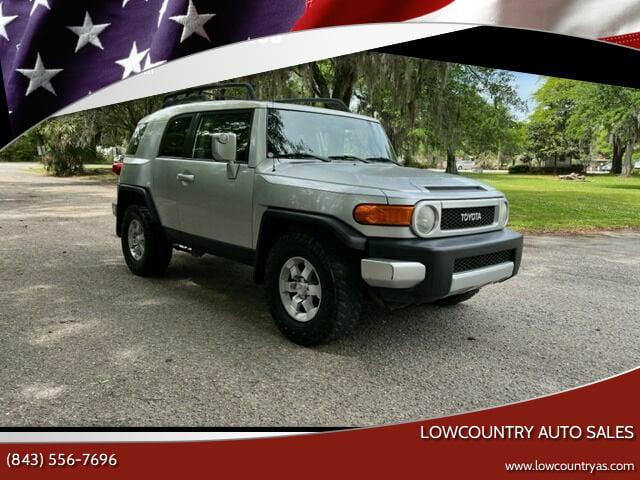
(389,178)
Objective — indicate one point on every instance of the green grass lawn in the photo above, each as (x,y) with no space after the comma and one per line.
(543,203)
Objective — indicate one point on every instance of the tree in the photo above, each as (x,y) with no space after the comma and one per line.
(69,142)
(549,134)
(575,119)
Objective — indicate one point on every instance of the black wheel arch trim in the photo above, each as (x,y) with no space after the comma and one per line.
(143,193)
(348,236)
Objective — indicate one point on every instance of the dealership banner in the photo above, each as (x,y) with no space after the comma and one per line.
(588,432)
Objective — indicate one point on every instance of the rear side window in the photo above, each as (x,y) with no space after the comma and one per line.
(174,141)
(134,143)
(238,122)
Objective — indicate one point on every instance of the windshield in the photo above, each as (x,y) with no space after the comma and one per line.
(308,135)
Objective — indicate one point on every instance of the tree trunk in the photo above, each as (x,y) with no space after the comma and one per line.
(451,161)
(618,148)
(627,164)
(345,78)
(317,83)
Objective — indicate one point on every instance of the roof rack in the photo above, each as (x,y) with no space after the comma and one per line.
(334,103)
(220,91)
(214,91)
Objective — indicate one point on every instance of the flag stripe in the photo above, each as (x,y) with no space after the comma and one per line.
(328,13)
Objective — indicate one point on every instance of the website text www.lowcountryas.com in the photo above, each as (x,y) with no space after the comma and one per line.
(588,467)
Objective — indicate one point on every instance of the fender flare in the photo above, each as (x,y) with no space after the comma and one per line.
(343,233)
(125,194)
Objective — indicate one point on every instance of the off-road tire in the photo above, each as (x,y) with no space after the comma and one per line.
(157,251)
(341,303)
(456,299)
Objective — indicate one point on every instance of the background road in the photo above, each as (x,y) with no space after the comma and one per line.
(83,342)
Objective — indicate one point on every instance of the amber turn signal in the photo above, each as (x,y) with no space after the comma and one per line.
(383,215)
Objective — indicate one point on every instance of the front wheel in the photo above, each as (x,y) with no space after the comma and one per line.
(144,245)
(313,293)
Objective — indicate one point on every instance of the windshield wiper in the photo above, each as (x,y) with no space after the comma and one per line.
(303,155)
(380,159)
(348,157)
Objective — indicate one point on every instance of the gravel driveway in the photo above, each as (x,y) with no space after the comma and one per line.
(85,343)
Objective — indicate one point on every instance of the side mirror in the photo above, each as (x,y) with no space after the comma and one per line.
(224,149)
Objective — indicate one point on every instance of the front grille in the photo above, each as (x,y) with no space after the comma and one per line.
(467,217)
(481,261)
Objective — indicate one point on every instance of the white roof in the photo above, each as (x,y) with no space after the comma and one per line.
(169,112)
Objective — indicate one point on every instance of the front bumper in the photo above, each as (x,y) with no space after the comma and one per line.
(424,270)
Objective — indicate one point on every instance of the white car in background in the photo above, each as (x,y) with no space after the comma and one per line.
(465,165)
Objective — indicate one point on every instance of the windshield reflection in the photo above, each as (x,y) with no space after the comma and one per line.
(326,137)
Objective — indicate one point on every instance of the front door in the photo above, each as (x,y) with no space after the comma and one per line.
(211,205)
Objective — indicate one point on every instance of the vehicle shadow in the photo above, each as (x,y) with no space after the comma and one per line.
(228,287)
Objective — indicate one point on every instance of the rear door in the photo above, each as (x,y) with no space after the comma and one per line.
(211,205)
(175,148)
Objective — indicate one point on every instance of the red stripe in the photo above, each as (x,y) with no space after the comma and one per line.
(629,39)
(327,13)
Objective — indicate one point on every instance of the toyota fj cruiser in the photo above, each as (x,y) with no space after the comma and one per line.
(315,201)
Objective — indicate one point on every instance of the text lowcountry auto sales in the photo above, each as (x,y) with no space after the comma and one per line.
(525,432)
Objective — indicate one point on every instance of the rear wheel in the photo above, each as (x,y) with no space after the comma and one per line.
(456,299)
(144,245)
(313,293)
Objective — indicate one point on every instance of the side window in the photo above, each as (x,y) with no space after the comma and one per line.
(238,122)
(175,137)
(134,143)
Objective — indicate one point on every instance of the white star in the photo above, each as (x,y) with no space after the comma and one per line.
(39,76)
(148,65)
(4,21)
(131,64)
(88,33)
(37,3)
(193,23)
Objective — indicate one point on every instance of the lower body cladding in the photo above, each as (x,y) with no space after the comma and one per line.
(424,270)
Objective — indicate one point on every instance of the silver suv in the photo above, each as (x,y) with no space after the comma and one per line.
(315,201)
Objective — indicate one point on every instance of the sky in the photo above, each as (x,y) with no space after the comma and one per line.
(526,85)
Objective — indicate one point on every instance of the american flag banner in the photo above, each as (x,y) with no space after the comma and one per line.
(55,52)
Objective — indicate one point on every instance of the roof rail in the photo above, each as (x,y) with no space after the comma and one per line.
(207,92)
(336,103)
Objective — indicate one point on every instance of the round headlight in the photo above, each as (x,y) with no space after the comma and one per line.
(503,213)
(425,219)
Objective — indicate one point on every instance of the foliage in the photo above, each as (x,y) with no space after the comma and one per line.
(25,149)
(69,142)
(519,168)
(580,121)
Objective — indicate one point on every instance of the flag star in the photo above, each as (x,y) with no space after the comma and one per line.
(148,65)
(39,76)
(39,3)
(88,33)
(4,21)
(131,64)
(192,22)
